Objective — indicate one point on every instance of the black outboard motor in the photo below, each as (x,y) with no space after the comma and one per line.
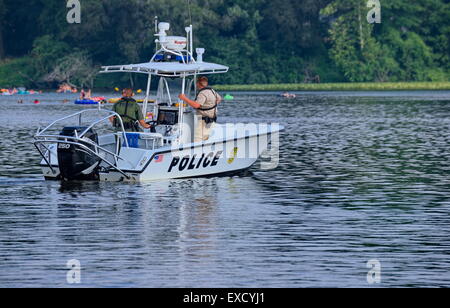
(75,162)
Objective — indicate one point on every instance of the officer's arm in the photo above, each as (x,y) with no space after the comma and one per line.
(190,102)
(140,117)
(144,124)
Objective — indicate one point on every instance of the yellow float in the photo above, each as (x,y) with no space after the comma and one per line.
(115,100)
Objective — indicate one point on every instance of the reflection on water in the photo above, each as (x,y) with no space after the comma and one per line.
(360,178)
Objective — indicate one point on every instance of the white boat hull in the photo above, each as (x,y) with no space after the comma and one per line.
(207,159)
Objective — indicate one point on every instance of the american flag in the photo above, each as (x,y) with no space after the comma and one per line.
(159,158)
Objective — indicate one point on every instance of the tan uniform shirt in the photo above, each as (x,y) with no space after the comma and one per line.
(208,99)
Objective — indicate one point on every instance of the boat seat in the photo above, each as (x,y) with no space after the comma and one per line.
(158,139)
(151,136)
(133,140)
(106,140)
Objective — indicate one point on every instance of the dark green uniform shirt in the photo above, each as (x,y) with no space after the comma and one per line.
(129,110)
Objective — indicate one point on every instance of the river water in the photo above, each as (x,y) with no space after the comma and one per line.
(362,176)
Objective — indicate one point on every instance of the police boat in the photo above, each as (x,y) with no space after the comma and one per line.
(85,146)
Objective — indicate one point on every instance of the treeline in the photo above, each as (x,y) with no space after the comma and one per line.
(263,41)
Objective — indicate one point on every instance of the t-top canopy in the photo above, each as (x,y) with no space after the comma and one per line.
(168,69)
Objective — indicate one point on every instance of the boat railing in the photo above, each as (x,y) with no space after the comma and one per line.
(79,115)
(43,138)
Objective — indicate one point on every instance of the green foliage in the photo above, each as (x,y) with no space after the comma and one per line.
(75,69)
(354,49)
(2,22)
(14,73)
(263,41)
(354,86)
(404,47)
(46,51)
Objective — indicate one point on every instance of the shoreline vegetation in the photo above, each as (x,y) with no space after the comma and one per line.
(323,87)
(258,40)
(365,86)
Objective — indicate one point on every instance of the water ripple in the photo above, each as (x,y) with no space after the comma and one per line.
(361,177)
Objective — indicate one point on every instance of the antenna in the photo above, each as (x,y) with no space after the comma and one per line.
(190,35)
(156,31)
(189,10)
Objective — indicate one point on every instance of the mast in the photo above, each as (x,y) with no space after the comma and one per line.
(147,95)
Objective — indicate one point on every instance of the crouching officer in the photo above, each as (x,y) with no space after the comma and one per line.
(130,112)
(206,104)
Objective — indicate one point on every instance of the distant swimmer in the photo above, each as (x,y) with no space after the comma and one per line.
(86,94)
(288,95)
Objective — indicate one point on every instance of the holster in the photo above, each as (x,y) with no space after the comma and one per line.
(209,120)
(129,126)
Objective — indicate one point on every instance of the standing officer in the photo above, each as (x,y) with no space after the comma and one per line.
(206,104)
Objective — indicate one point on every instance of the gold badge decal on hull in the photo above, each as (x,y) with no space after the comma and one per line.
(233,156)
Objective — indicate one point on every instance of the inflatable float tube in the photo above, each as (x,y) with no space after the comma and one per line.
(92,101)
(228,97)
(115,100)
(86,102)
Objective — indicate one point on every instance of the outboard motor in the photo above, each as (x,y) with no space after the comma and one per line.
(75,163)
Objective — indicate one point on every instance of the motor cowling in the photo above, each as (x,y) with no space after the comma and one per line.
(75,162)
